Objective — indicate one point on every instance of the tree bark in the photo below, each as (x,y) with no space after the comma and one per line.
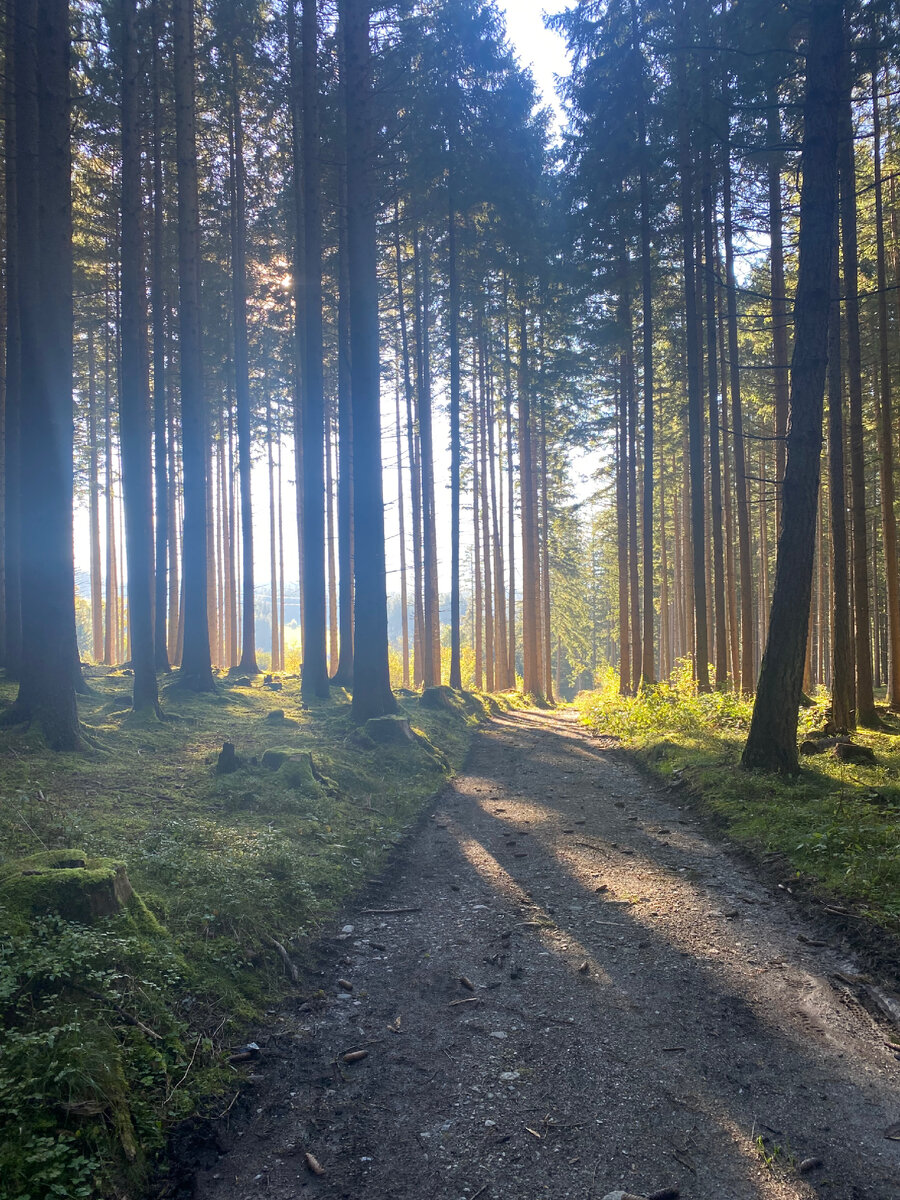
(886,427)
(772,740)
(747,673)
(343,677)
(778,302)
(715,455)
(455,442)
(12,413)
(196,667)
(162,452)
(372,694)
(134,390)
(695,397)
(531,600)
(314,680)
(44,255)
(865,695)
(248,664)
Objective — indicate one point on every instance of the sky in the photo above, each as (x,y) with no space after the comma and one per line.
(535,45)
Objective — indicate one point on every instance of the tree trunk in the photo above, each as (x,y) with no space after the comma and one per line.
(415,484)
(163,453)
(477,577)
(695,398)
(94,504)
(715,459)
(886,427)
(531,600)
(432,648)
(510,483)
(486,465)
(343,677)
(134,390)
(778,302)
(12,599)
(865,696)
(44,256)
(622,531)
(772,740)
(248,664)
(648,668)
(747,674)
(455,444)
(330,455)
(401,521)
(275,663)
(314,681)
(501,671)
(196,668)
(372,694)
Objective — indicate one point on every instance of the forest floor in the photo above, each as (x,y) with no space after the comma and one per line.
(112,1032)
(566,986)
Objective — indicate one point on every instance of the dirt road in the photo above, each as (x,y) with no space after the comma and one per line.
(590,995)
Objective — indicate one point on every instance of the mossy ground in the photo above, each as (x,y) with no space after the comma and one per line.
(112,1031)
(835,829)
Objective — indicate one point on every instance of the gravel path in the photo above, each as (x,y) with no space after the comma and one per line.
(590,996)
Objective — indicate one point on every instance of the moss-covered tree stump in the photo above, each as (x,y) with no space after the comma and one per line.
(294,767)
(68,882)
(390,731)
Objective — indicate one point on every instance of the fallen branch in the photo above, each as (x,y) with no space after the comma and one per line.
(119,1010)
(285,958)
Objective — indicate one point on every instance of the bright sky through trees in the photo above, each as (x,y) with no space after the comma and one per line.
(536,46)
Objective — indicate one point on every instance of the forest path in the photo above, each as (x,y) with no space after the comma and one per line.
(643,1011)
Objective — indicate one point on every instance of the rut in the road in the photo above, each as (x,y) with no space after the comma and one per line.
(644,1014)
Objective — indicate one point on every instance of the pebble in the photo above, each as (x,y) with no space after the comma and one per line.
(622,1196)
(810,1164)
(498,1033)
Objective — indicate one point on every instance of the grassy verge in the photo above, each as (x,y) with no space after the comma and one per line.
(113,1030)
(836,828)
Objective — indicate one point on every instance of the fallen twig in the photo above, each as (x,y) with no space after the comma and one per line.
(284,956)
(117,1008)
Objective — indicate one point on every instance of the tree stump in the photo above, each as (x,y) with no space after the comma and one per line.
(67,882)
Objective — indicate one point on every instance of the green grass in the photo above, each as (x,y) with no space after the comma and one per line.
(109,1032)
(837,827)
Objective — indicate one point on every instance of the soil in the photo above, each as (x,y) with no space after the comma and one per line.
(588,994)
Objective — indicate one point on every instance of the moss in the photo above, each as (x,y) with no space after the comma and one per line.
(218,865)
(78,887)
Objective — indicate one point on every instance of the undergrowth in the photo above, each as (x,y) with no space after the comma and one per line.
(113,1031)
(837,826)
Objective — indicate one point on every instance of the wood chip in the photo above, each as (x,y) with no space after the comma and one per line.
(534,1133)
(467,1000)
(313,1164)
